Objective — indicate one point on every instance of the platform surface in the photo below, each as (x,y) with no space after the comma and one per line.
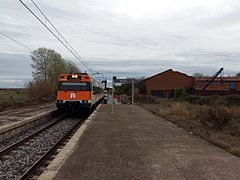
(140,145)
(18,116)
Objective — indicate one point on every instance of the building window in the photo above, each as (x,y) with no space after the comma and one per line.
(231,85)
(222,82)
(212,83)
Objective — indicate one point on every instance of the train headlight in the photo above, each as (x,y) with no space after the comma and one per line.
(74,76)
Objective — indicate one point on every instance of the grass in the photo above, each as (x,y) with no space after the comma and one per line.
(214,122)
(11,97)
(14,95)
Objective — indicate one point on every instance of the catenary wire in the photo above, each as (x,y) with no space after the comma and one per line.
(61,34)
(70,50)
(16,41)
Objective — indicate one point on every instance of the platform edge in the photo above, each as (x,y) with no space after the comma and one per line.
(52,169)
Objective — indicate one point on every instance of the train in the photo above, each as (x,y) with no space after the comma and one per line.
(78,92)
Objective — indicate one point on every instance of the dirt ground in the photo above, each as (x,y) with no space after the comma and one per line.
(190,117)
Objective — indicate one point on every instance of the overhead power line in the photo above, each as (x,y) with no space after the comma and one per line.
(16,41)
(51,32)
(63,41)
(83,61)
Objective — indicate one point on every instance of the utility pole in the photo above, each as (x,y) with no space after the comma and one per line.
(132,94)
(113,80)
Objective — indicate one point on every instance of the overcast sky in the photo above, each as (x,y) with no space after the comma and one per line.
(125,37)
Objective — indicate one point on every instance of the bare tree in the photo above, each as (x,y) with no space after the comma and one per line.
(47,65)
(198,74)
(238,74)
(72,68)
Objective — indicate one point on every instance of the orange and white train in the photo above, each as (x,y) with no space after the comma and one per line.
(78,92)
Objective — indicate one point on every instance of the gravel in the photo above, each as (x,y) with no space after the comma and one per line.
(14,138)
(16,163)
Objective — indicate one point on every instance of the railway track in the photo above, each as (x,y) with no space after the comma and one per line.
(20,160)
(25,139)
(18,133)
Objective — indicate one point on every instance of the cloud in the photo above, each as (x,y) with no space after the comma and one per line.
(131,38)
(15,70)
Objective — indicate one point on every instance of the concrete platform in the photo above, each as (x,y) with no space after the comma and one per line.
(139,146)
(17,117)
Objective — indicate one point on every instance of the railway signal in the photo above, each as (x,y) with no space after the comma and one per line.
(105,84)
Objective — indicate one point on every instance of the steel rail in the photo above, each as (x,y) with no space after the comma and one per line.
(21,141)
(30,171)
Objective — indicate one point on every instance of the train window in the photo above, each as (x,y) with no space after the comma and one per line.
(74,86)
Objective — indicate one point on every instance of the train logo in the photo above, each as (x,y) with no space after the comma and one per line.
(72,95)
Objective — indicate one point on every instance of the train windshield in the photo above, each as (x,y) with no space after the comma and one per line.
(74,86)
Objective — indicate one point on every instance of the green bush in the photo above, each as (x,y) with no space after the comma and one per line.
(180,93)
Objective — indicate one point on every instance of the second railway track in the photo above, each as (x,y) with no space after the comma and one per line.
(18,160)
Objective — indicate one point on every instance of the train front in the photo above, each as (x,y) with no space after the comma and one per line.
(74,92)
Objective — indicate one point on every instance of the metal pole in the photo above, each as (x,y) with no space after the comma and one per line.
(175,93)
(112,95)
(105,84)
(132,94)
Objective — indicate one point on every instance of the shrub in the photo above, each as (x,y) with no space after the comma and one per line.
(232,100)
(180,93)
(144,99)
(218,116)
(40,89)
(4,103)
(204,100)
(181,110)
(192,99)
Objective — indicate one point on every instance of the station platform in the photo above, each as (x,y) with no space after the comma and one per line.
(139,145)
(17,117)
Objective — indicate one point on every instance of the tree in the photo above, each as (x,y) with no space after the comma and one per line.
(198,75)
(238,74)
(72,68)
(141,85)
(47,65)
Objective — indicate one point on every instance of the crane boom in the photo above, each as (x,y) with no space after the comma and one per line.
(212,79)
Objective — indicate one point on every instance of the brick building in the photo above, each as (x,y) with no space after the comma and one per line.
(165,83)
(220,86)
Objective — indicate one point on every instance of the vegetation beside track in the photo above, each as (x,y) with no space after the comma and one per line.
(13,98)
(215,119)
(47,65)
